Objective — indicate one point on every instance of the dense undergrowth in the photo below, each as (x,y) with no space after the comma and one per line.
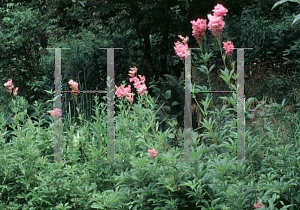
(28,181)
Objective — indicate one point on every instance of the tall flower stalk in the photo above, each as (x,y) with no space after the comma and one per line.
(139,84)
(57,113)
(74,87)
(10,86)
(216,25)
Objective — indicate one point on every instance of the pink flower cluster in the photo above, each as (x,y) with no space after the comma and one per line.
(227,46)
(199,28)
(10,86)
(56,113)
(139,84)
(220,10)
(180,48)
(152,153)
(74,86)
(216,23)
(259,205)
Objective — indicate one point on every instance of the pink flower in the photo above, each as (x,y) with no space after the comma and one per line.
(9,83)
(10,86)
(132,72)
(15,116)
(121,91)
(56,113)
(216,25)
(138,84)
(180,48)
(135,80)
(142,89)
(15,90)
(227,46)
(184,40)
(152,153)
(129,96)
(9,89)
(220,10)
(74,86)
(259,205)
(199,29)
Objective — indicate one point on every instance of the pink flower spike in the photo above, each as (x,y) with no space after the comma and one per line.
(15,116)
(138,84)
(129,96)
(199,29)
(15,91)
(142,89)
(152,153)
(180,50)
(142,79)
(73,85)
(184,40)
(132,72)
(9,83)
(227,46)
(220,10)
(119,92)
(122,91)
(259,205)
(134,79)
(216,25)
(9,89)
(56,113)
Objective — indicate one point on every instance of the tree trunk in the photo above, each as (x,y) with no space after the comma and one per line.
(147,54)
(163,57)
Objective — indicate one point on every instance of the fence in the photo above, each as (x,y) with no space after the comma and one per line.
(187,110)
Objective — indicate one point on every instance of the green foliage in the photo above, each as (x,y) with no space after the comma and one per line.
(21,55)
(280,2)
(271,36)
(141,182)
(171,97)
(258,28)
(280,87)
(28,181)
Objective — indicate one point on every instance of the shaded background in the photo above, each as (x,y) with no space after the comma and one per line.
(147,31)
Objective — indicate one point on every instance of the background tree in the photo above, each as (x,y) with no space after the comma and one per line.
(145,29)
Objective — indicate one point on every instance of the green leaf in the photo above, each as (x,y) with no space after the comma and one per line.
(296,19)
(211,68)
(82,4)
(166,108)
(55,98)
(9,5)
(174,103)
(171,136)
(168,94)
(278,3)
(283,102)
(203,69)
